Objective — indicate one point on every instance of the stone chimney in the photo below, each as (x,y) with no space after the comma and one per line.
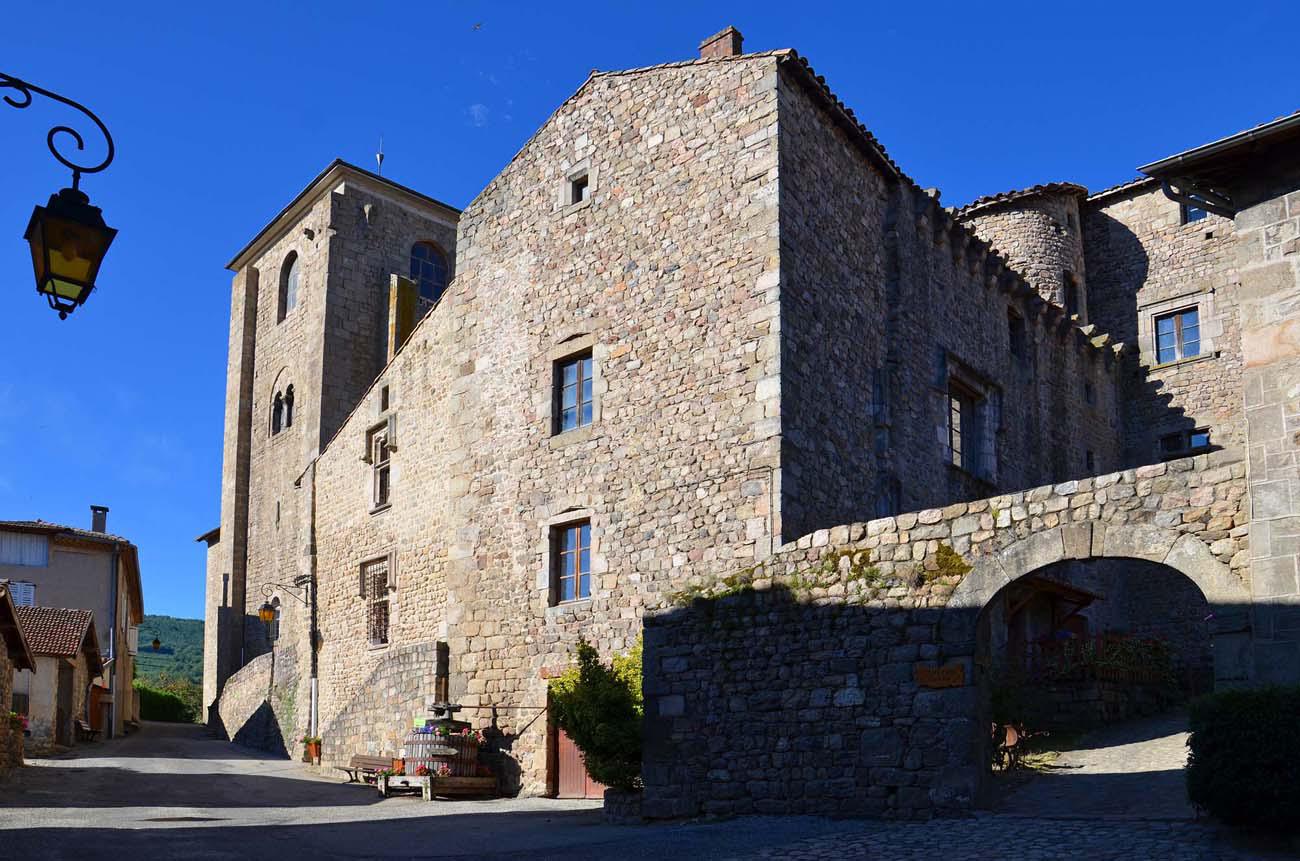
(724,44)
(98,518)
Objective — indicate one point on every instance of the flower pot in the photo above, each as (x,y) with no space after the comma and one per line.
(311,752)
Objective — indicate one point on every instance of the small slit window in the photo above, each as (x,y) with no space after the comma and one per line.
(289,274)
(579,187)
(1184,443)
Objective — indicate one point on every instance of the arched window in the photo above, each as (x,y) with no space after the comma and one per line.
(429,270)
(288,285)
(273,629)
(288,407)
(277,414)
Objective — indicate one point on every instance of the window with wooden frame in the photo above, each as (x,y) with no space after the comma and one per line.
(376,585)
(1184,443)
(963,427)
(382,470)
(571,561)
(574,377)
(1178,335)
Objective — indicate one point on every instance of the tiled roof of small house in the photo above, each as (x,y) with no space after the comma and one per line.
(989,201)
(59,631)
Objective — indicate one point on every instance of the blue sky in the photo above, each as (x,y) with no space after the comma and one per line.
(222,112)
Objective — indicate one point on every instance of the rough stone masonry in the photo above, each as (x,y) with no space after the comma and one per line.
(784,333)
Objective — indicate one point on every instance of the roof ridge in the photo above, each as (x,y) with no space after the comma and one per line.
(991,200)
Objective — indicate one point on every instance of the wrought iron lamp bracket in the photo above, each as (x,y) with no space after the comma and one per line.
(269,589)
(23,99)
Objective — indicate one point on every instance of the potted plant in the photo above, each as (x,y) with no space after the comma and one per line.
(311,749)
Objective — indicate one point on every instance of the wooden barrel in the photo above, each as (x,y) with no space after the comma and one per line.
(458,752)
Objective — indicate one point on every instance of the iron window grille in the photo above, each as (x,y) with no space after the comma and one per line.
(375,588)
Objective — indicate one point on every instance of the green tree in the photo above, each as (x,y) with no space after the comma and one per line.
(600,707)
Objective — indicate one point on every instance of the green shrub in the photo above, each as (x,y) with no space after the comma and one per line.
(164,705)
(1244,766)
(601,709)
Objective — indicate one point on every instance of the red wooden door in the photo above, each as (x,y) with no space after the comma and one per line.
(573,782)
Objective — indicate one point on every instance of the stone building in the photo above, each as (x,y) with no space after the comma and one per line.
(52,565)
(55,692)
(15,656)
(700,314)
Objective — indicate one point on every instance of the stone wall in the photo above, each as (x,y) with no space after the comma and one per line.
(667,274)
(819,680)
(1268,238)
(375,721)
(1041,237)
(261,715)
(886,299)
(11,738)
(1143,261)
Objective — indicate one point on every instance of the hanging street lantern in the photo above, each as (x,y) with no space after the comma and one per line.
(266,613)
(157,644)
(68,236)
(69,239)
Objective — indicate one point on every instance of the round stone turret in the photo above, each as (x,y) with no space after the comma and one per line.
(1037,230)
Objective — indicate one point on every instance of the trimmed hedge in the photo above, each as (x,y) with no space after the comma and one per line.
(1244,766)
(163,705)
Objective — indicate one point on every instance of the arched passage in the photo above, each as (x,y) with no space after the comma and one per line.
(959,624)
(1183,552)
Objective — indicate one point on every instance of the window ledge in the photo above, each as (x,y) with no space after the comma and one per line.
(966,473)
(1190,360)
(555,611)
(380,509)
(376,647)
(571,208)
(573,437)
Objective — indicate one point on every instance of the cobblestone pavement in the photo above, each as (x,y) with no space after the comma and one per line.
(170,792)
(1129,770)
(999,836)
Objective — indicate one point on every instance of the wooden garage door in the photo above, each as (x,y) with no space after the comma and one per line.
(573,782)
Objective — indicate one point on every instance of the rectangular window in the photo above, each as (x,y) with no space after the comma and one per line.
(1071,296)
(1184,443)
(573,381)
(963,428)
(374,588)
(383,399)
(1016,333)
(22,548)
(1192,213)
(571,561)
(1178,336)
(578,186)
(382,470)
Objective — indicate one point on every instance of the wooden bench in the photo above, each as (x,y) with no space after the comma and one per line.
(84,731)
(363,768)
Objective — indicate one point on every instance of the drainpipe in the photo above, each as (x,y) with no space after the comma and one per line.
(312,609)
(112,647)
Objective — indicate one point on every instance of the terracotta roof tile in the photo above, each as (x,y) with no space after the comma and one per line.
(990,200)
(55,630)
(1128,185)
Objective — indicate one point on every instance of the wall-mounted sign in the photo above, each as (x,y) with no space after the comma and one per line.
(950,676)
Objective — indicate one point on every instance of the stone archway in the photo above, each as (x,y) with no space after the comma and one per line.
(1183,552)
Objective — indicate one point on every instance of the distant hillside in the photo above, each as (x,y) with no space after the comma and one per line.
(181,652)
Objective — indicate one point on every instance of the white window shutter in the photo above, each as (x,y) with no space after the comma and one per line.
(133,640)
